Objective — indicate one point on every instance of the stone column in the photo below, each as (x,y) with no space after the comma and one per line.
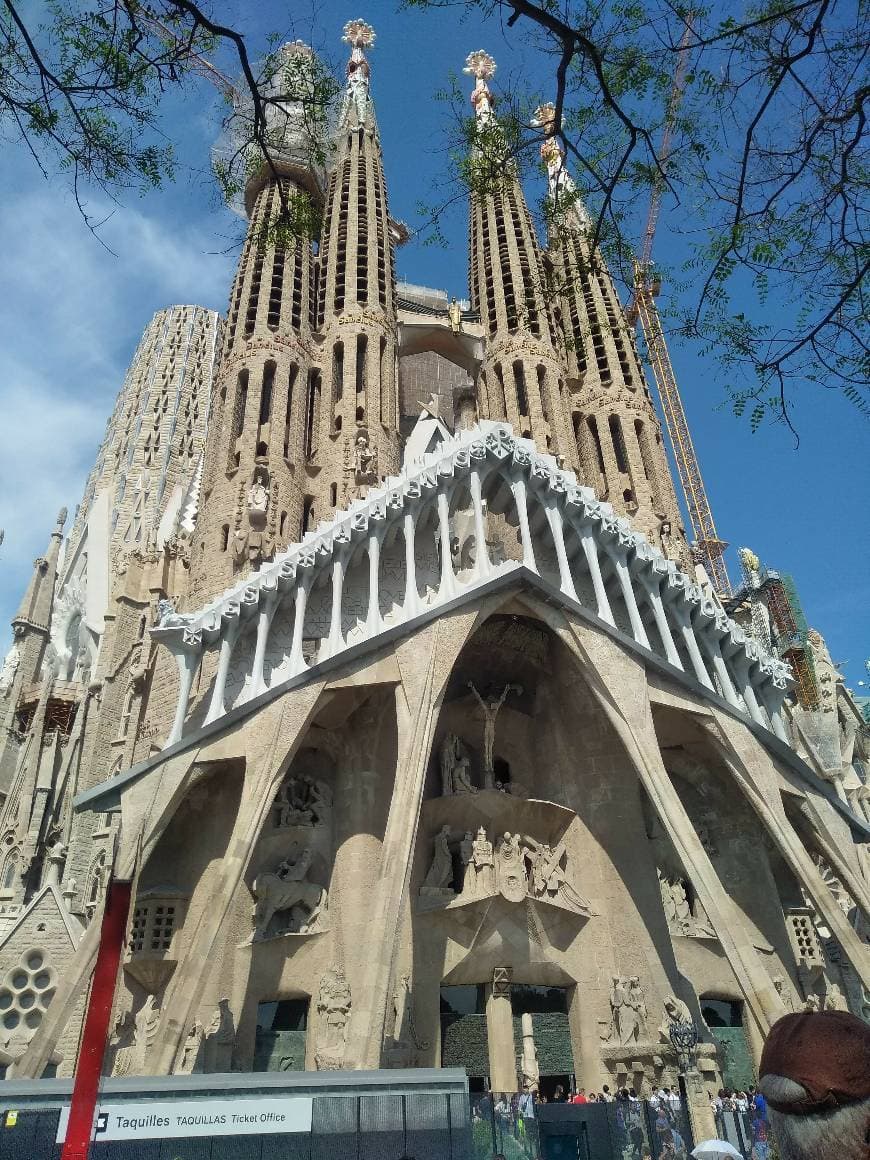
(586,1041)
(500,1032)
(698,1106)
(624,699)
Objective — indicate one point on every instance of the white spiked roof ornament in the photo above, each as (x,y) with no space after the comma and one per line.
(561,187)
(481,66)
(360,36)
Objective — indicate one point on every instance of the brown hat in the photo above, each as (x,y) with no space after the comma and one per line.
(826,1052)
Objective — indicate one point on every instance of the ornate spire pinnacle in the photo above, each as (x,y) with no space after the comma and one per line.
(359,36)
(481,66)
(563,191)
(61,518)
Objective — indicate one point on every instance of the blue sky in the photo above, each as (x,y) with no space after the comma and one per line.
(71,313)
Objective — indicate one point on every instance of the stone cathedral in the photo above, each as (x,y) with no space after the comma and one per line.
(376,656)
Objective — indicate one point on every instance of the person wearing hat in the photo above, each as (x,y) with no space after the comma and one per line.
(815,1079)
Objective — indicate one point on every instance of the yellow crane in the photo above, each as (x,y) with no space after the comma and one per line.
(707,544)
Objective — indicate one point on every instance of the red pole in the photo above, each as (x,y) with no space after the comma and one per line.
(96,1032)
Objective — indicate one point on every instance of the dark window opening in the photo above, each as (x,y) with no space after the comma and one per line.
(333,494)
(361,346)
(294,371)
(225,537)
(282,523)
(338,371)
(307,514)
(618,443)
(520,382)
(266,394)
(722,1012)
(596,439)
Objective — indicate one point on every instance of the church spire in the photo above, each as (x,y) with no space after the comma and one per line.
(355,412)
(35,609)
(619,439)
(522,378)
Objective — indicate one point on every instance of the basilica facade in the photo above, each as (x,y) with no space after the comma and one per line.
(419,734)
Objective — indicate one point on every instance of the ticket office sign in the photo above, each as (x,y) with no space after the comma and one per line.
(154,1120)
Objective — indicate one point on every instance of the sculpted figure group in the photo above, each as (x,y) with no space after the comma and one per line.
(515,865)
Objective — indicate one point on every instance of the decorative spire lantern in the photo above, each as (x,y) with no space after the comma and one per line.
(561,185)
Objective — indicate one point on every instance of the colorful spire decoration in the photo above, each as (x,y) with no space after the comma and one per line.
(481,66)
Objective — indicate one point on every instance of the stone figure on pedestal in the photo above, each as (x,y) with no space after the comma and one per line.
(466,852)
(454,767)
(548,880)
(190,1054)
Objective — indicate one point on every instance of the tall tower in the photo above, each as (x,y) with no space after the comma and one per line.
(618,435)
(522,378)
(257,460)
(355,434)
(151,453)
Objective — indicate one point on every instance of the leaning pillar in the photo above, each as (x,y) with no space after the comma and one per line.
(626,704)
(500,1032)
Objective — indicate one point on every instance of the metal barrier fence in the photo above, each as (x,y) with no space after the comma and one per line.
(621,1130)
(748,1132)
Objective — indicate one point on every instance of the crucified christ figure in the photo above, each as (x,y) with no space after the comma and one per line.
(491,706)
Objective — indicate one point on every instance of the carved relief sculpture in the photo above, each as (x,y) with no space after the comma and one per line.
(333,1009)
(675,1011)
(302,801)
(286,889)
(220,1037)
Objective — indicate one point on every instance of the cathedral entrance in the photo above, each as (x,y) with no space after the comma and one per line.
(724,1017)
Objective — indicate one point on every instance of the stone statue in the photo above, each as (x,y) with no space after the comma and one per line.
(441,871)
(835,1000)
(302,801)
(466,852)
(333,1008)
(10,669)
(676,1011)
(286,889)
(454,764)
(531,1073)
(167,617)
(454,314)
(405,1041)
(190,1053)
(621,1020)
(637,1002)
(813,1002)
(484,865)
(490,706)
(219,1039)
(784,991)
(548,880)
(258,497)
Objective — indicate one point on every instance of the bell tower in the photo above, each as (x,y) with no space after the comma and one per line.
(255,479)
(353,435)
(522,378)
(618,435)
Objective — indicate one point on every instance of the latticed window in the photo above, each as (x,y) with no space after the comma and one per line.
(154,923)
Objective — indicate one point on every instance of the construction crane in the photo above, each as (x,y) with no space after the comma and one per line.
(708,546)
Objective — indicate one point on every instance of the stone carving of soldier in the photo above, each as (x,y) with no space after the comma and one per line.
(621,1021)
(484,865)
(295,870)
(466,852)
(490,707)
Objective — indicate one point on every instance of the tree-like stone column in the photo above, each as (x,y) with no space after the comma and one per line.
(500,1032)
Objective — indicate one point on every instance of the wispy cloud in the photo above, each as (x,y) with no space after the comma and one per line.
(71,314)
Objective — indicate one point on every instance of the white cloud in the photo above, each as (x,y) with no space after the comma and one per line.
(71,314)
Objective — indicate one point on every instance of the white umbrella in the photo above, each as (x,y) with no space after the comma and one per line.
(716,1150)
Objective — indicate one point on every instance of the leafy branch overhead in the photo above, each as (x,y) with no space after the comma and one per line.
(765,172)
(83,88)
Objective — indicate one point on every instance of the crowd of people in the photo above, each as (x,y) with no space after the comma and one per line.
(741,1119)
(639,1132)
